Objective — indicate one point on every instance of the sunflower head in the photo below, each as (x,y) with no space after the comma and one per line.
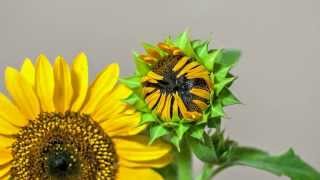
(58,126)
(181,86)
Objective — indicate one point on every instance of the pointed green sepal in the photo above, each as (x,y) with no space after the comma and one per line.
(176,142)
(157,131)
(147,118)
(218,87)
(197,132)
(183,42)
(133,82)
(228,98)
(217,110)
(182,129)
(142,67)
(137,102)
(230,57)
(211,58)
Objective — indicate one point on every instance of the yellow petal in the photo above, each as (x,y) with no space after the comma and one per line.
(44,84)
(6,156)
(112,103)
(180,63)
(136,148)
(122,125)
(147,90)
(6,128)
(200,92)
(63,87)
(101,86)
(161,103)
(28,71)
(154,75)
(80,79)
(10,113)
(6,141)
(4,171)
(156,163)
(200,104)
(152,98)
(22,93)
(125,173)
(5,177)
(187,68)
(167,108)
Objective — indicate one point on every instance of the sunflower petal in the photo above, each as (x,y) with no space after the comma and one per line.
(137,174)
(102,85)
(123,125)
(6,128)
(6,141)
(28,71)
(63,87)
(156,163)
(22,93)
(136,149)
(112,103)
(10,113)
(44,84)
(80,79)
(6,156)
(4,171)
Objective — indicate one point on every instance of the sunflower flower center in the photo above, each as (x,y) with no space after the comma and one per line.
(177,85)
(63,146)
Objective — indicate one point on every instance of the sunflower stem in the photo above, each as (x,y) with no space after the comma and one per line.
(184,162)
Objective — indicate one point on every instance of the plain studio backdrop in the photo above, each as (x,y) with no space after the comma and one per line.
(279,79)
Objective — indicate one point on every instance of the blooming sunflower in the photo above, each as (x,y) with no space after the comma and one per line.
(56,127)
(180,85)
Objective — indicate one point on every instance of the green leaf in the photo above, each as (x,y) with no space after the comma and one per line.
(288,164)
(211,58)
(132,82)
(142,67)
(204,151)
(230,57)
(156,132)
(147,117)
(228,98)
(214,122)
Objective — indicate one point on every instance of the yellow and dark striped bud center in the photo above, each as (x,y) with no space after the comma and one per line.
(63,146)
(177,85)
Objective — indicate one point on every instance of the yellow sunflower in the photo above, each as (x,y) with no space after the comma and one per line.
(58,127)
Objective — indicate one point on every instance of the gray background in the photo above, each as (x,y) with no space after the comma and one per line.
(279,69)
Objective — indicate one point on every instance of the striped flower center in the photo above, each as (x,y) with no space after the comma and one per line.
(177,85)
(63,146)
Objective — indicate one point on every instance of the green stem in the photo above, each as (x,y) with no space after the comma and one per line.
(184,162)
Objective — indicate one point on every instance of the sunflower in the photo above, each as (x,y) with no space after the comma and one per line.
(56,127)
(180,85)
